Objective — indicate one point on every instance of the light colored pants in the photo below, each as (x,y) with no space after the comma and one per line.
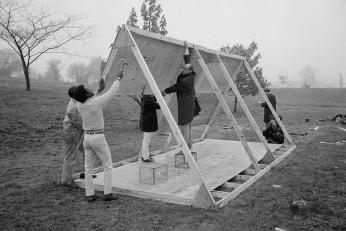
(96,146)
(145,144)
(186,132)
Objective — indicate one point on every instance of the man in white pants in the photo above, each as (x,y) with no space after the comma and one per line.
(90,107)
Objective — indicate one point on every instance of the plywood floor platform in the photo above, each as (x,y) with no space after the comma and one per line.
(218,161)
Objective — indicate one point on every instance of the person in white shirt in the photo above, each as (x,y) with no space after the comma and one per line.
(90,107)
(73,137)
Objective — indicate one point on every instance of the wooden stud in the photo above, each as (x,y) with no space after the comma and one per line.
(253,179)
(219,194)
(242,177)
(227,110)
(287,136)
(230,185)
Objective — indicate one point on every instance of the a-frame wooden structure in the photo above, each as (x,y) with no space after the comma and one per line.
(156,60)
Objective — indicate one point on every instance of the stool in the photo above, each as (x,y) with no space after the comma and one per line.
(153,173)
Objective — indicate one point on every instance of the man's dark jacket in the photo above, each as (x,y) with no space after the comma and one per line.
(267,112)
(186,97)
(148,120)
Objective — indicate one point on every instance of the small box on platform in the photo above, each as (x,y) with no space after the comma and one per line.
(180,161)
(153,173)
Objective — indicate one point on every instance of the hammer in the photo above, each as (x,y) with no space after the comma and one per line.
(124,62)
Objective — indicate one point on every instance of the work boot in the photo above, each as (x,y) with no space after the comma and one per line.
(109,197)
(91,198)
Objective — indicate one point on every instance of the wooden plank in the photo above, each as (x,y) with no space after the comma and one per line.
(143,194)
(242,177)
(227,110)
(219,194)
(169,117)
(287,136)
(269,155)
(218,160)
(231,185)
(241,188)
(181,43)
(250,172)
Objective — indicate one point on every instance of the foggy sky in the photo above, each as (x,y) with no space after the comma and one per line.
(290,33)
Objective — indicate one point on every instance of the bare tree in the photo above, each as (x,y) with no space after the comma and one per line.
(32,31)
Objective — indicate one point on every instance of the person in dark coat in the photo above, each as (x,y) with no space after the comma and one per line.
(267,111)
(274,133)
(148,123)
(186,97)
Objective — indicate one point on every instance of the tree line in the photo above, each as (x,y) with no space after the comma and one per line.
(33,33)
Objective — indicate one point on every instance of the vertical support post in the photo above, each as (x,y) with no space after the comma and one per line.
(269,157)
(207,197)
(227,110)
(287,136)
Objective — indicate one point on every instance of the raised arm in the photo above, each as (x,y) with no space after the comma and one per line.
(103,99)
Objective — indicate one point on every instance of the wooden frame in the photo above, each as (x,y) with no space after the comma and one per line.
(205,197)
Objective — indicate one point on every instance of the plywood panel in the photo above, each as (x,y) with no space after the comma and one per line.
(218,161)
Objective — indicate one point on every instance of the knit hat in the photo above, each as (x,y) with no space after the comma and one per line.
(71,91)
(81,94)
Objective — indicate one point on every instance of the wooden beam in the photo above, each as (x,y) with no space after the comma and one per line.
(242,177)
(231,185)
(248,183)
(169,117)
(226,109)
(287,136)
(269,155)
(219,194)
(180,42)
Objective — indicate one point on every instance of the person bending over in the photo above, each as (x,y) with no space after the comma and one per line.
(274,133)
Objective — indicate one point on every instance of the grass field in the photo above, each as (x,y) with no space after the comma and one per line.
(30,165)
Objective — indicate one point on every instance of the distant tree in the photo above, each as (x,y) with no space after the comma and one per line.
(283,79)
(341,80)
(94,69)
(31,31)
(53,70)
(77,72)
(132,21)
(243,81)
(163,25)
(308,76)
(153,19)
(82,73)
(9,63)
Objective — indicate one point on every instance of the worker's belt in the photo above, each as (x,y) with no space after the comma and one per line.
(94,132)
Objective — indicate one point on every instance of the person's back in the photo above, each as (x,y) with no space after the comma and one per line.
(92,114)
(267,112)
